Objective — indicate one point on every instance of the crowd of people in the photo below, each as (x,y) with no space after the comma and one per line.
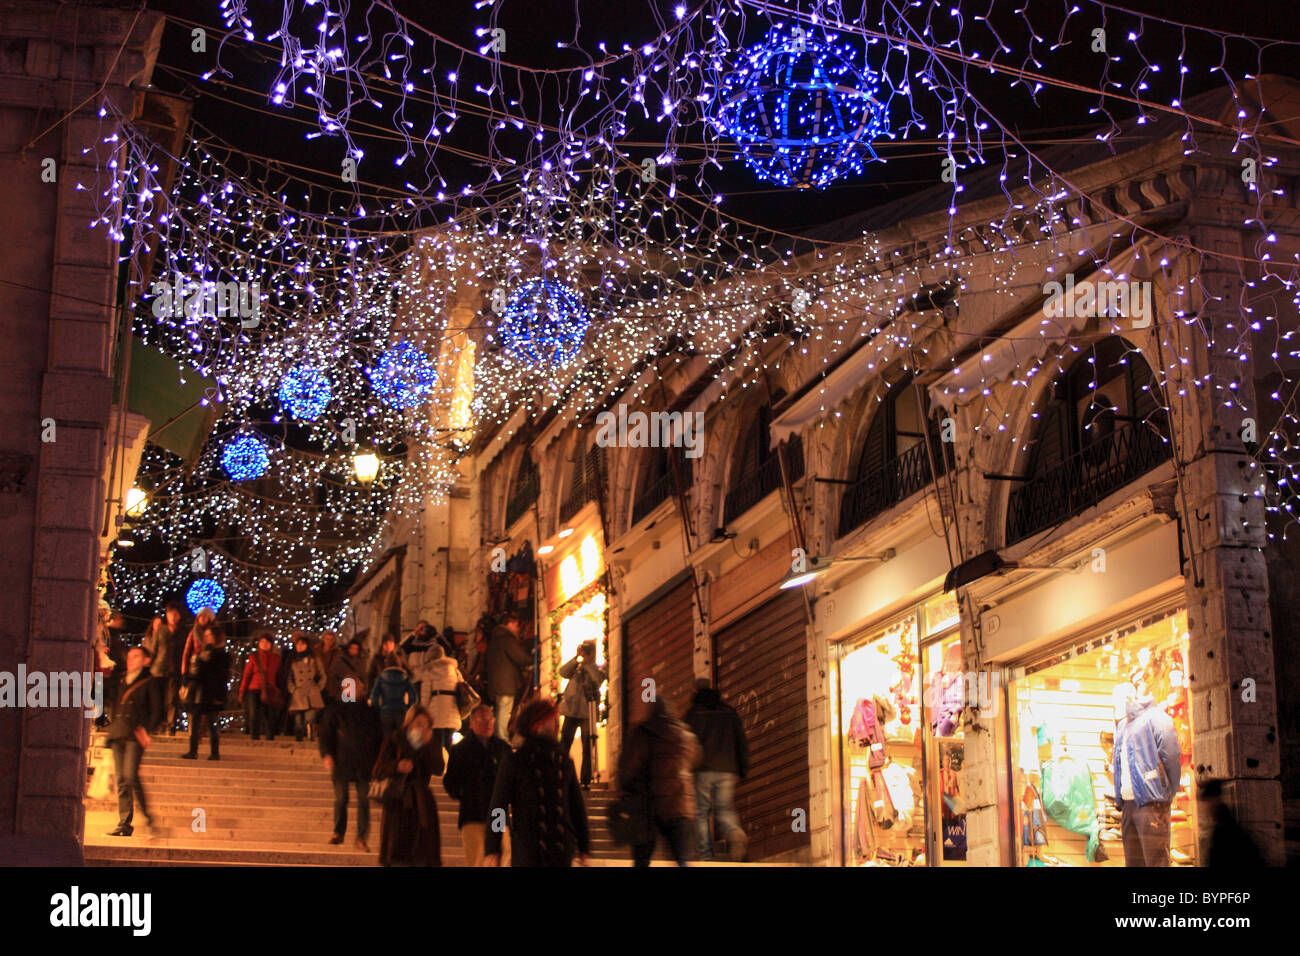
(429,707)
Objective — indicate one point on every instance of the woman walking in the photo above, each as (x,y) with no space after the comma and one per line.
(259,689)
(305,681)
(442,677)
(537,787)
(408,759)
(206,690)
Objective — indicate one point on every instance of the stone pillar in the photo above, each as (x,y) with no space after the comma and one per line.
(1234,699)
(58,322)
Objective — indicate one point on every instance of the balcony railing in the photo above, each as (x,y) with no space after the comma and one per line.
(752,488)
(1085,478)
(892,482)
(587,487)
(663,488)
(522,498)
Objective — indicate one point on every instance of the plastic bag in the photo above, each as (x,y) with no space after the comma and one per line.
(1068,799)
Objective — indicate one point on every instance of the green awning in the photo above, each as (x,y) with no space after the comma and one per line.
(180,422)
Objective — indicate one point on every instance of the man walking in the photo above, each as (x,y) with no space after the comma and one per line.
(507,660)
(471,774)
(134,712)
(164,643)
(349,746)
(725,763)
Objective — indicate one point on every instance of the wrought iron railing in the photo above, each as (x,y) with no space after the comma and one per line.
(588,484)
(894,481)
(661,489)
(523,497)
(752,488)
(1085,478)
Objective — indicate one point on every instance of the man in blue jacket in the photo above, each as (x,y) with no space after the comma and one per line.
(1146,772)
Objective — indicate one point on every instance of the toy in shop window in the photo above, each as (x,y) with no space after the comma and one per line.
(947,694)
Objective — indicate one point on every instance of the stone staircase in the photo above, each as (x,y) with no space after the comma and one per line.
(265,803)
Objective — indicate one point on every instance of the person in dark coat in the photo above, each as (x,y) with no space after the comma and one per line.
(134,712)
(327,653)
(537,796)
(349,746)
(259,688)
(392,694)
(506,664)
(471,775)
(725,763)
(409,835)
(659,758)
(387,651)
(164,644)
(208,682)
(346,678)
(1231,845)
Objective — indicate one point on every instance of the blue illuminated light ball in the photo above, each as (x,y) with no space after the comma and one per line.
(544,323)
(801,112)
(304,392)
(205,592)
(244,458)
(403,376)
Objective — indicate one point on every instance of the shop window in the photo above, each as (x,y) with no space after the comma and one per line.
(902,752)
(1102,426)
(1071,713)
(894,461)
(756,471)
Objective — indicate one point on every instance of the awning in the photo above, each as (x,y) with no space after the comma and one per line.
(181,421)
(859,370)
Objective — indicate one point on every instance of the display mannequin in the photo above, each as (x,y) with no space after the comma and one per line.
(1145,773)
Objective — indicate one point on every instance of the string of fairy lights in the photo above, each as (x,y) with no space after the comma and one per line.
(583,252)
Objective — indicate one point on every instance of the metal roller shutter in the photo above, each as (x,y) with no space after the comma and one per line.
(762,669)
(659,643)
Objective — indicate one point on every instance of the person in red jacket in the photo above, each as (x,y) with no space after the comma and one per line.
(259,690)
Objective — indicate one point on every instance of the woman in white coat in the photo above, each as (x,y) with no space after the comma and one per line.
(442,678)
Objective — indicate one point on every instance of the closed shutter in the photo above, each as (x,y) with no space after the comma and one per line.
(762,670)
(659,644)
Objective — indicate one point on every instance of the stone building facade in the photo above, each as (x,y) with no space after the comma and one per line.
(1147,523)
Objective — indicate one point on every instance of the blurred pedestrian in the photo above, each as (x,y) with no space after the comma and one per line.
(305,681)
(392,694)
(1231,845)
(409,758)
(327,652)
(349,745)
(537,796)
(207,686)
(507,663)
(577,702)
(471,775)
(134,712)
(658,762)
(725,762)
(259,688)
(387,649)
(345,680)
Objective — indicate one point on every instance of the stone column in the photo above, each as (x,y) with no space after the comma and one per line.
(1234,699)
(56,389)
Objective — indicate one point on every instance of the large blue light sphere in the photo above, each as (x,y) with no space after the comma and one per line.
(244,458)
(304,392)
(801,112)
(544,323)
(205,592)
(403,376)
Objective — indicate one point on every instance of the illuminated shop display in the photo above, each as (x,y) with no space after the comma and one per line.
(1068,712)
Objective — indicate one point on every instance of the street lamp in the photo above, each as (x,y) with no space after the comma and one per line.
(137,500)
(365,465)
(817,566)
